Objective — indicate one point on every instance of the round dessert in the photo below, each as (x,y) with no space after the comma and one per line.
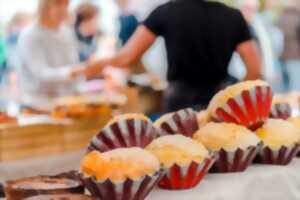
(295,121)
(236,145)
(183,156)
(62,197)
(203,118)
(183,122)
(177,149)
(120,172)
(129,130)
(120,164)
(247,103)
(281,111)
(27,187)
(281,142)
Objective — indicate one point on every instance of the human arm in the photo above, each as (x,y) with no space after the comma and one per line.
(134,49)
(248,51)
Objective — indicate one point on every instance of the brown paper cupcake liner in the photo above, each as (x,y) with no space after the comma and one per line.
(182,122)
(125,133)
(281,111)
(238,161)
(181,178)
(250,108)
(283,156)
(127,190)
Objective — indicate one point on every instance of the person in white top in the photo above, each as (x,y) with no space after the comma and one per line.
(49,55)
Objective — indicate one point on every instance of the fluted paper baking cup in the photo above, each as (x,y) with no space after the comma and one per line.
(250,108)
(281,111)
(283,156)
(238,161)
(182,122)
(127,190)
(125,133)
(181,178)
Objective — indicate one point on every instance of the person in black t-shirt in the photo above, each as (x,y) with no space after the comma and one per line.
(201,37)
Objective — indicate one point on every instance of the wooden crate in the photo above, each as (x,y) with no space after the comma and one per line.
(22,142)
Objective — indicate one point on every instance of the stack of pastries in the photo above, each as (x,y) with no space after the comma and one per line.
(132,154)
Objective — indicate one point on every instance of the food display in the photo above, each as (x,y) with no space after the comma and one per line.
(62,197)
(281,142)
(247,103)
(182,122)
(129,130)
(281,111)
(5,119)
(184,160)
(28,187)
(235,145)
(125,173)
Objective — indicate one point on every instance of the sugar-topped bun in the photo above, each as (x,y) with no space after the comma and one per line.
(230,137)
(127,117)
(120,164)
(221,98)
(177,149)
(277,133)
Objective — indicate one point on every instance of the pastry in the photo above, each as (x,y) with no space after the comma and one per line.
(280,142)
(129,130)
(28,187)
(235,145)
(185,161)
(247,103)
(125,173)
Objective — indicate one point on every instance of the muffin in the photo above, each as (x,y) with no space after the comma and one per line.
(247,103)
(129,130)
(235,145)
(185,161)
(125,173)
(281,142)
(182,122)
(28,187)
(62,197)
(281,111)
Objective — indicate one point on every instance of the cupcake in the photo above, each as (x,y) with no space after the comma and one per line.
(185,161)
(281,142)
(125,173)
(182,122)
(62,197)
(129,130)
(235,145)
(28,187)
(247,103)
(281,111)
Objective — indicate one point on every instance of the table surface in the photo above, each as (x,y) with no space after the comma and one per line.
(259,182)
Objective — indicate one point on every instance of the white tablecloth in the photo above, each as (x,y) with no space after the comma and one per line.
(259,182)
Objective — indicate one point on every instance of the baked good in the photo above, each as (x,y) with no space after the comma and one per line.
(181,122)
(28,187)
(247,103)
(280,142)
(117,173)
(129,130)
(177,154)
(62,197)
(235,145)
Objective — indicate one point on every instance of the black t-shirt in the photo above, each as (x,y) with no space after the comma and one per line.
(200,37)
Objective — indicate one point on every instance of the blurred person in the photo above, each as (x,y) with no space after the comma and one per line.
(198,52)
(289,22)
(49,55)
(86,29)
(249,9)
(15,26)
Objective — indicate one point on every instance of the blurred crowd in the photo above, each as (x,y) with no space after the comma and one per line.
(274,24)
